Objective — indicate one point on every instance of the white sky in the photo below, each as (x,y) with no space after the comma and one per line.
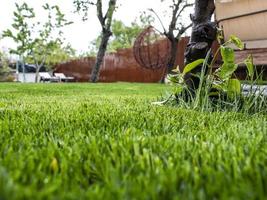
(80,33)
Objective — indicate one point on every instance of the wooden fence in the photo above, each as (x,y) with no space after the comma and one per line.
(122,66)
(119,66)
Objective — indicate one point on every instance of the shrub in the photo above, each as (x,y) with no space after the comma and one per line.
(218,89)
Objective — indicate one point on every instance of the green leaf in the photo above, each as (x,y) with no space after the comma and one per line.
(237,42)
(178,89)
(7,33)
(193,65)
(234,88)
(221,86)
(175,78)
(220,36)
(226,70)
(214,94)
(54,165)
(250,66)
(228,54)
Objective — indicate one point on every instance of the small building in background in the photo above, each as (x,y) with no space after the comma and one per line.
(30,71)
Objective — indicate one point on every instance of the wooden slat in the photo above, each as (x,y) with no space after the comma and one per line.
(259,56)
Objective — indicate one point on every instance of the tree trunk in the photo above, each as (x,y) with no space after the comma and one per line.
(203,34)
(174,48)
(171,62)
(37,73)
(23,69)
(105,22)
(100,55)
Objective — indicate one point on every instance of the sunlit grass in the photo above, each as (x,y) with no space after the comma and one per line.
(106,141)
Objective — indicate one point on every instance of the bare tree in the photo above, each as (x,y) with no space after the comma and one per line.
(203,34)
(105,21)
(177,27)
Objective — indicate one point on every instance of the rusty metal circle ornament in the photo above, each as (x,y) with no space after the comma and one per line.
(152,49)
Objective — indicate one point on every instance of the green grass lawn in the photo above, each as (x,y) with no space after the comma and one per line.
(106,141)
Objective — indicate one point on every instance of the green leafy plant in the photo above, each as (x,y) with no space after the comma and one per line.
(5,71)
(20,32)
(4,68)
(216,87)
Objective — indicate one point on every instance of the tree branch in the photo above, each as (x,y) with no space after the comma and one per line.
(183,29)
(100,12)
(109,14)
(174,19)
(161,23)
(183,8)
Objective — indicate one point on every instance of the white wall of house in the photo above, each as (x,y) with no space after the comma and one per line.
(29,77)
